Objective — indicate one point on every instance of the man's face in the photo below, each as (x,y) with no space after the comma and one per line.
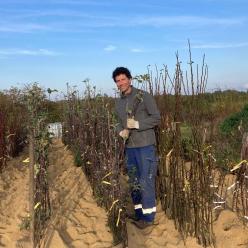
(123,83)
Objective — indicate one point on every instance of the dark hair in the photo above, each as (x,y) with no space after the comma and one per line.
(121,70)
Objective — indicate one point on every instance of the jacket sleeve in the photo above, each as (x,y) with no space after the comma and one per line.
(153,118)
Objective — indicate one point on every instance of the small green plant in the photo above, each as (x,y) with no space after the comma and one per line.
(77,158)
(187,148)
(25,223)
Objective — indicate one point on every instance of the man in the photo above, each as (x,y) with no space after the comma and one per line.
(138,114)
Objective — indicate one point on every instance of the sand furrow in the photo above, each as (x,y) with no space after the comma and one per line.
(77,219)
(14,203)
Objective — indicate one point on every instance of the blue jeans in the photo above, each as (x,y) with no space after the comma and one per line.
(142,169)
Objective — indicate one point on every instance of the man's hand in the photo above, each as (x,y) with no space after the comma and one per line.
(124,134)
(131,123)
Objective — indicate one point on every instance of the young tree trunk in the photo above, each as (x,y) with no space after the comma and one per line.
(31,188)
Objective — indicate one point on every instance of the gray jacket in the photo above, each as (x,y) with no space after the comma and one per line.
(143,107)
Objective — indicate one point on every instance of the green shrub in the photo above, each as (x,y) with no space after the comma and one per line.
(231,124)
(230,136)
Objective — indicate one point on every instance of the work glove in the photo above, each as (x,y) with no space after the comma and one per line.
(131,123)
(124,134)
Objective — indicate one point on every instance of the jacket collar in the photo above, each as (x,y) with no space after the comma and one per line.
(133,92)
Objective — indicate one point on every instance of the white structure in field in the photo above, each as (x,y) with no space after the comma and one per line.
(55,129)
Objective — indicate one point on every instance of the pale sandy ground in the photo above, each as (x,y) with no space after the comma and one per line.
(78,222)
(228,230)
(14,203)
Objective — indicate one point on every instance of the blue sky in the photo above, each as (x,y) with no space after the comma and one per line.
(58,41)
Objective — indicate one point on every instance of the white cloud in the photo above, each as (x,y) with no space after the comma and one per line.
(136,50)
(160,21)
(82,2)
(110,48)
(22,28)
(220,45)
(74,21)
(25,52)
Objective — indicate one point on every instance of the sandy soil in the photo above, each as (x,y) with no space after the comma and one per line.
(78,222)
(14,203)
(229,233)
